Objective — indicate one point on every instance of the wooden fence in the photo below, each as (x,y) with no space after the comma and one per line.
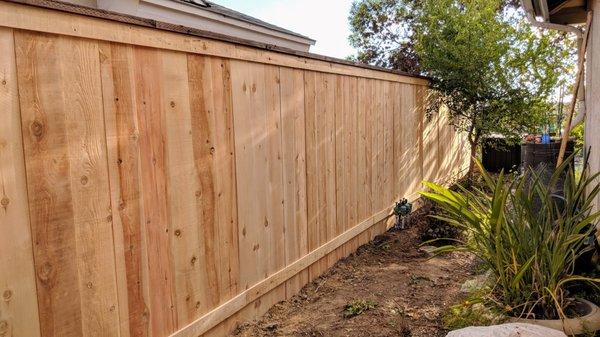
(161,184)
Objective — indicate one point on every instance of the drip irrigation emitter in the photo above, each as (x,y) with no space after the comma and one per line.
(402,211)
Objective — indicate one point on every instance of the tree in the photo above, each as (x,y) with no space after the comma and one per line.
(382,33)
(492,71)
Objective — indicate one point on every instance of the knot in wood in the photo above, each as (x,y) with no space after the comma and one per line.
(37,129)
(7,295)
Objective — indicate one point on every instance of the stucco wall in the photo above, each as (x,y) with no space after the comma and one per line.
(592,125)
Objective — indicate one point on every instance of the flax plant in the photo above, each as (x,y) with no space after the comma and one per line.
(527,233)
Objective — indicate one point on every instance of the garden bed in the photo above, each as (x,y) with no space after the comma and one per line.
(410,292)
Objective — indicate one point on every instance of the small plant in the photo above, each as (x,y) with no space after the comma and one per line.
(472,313)
(528,232)
(357,307)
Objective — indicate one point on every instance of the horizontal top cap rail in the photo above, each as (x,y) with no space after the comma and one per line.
(79,21)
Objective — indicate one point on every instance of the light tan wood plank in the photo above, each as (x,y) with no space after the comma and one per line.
(212,130)
(328,163)
(257,121)
(294,172)
(189,195)
(122,138)
(68,184)
(47,161)
(365,201)
(153,163)
(18,307)
(89,182)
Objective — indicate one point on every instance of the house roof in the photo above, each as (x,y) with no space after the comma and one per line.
(133,20)
(230,13)
(559,11)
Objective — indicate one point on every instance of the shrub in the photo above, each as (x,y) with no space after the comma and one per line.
(357,307)
(527,234)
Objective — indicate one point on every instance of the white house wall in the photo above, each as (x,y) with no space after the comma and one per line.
(592,122)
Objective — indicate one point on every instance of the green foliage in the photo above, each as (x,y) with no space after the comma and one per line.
(577,133)
(491,70)
(529,238)
(472,312)
(382,33)
(357,307)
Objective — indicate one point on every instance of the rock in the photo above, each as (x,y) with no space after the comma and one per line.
(427,250)
(475,284)
(507,330)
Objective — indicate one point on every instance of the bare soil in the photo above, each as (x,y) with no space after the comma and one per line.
(412,292)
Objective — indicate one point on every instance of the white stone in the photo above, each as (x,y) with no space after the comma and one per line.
(507,330)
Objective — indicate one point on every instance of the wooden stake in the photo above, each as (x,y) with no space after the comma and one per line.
(580,67)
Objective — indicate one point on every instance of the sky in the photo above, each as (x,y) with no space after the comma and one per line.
(323,20)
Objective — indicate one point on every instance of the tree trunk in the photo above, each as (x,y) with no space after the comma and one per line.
(472,159)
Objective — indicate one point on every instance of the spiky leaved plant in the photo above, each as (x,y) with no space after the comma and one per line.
(526,233)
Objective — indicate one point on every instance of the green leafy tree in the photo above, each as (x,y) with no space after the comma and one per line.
(382,33)
(492,71)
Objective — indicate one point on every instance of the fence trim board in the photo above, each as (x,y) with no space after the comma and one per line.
(227,309)
(38,19)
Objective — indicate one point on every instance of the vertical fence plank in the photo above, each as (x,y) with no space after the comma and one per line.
(46,156)
(327,114)
(68,184)
(18,304)
(351,153)
(90,186)
(257,121)
(122,137)
(365,201)
(341,159)
(321,190)
(153,164)
(294,173)
(312,160)
(189,193)
(212,130)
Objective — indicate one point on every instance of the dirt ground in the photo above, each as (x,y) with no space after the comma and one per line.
(410,290)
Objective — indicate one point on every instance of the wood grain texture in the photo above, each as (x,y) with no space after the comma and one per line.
(259,176)
(18,305)
(122,138)
(65,154)
(179,193)
(212,130)
(294,173)
(150,114)
(365,150)
(320,134)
